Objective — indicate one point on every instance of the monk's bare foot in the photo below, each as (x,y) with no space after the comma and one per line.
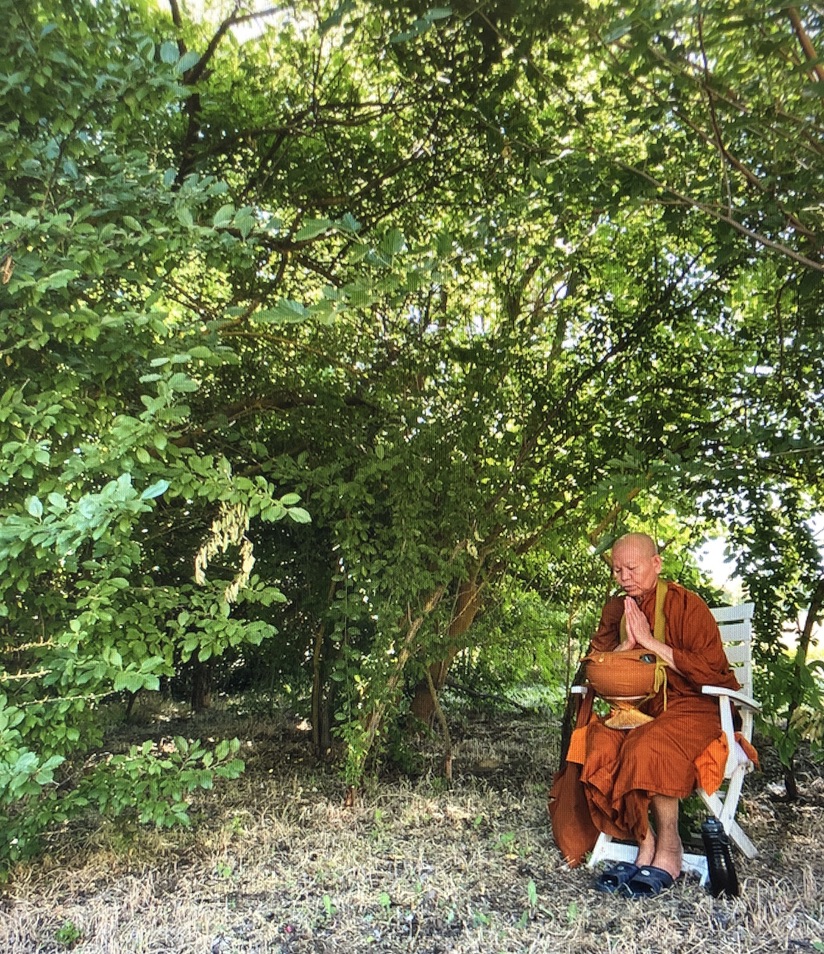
(667,859)
(646,850)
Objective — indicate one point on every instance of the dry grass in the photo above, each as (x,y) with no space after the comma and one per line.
(277,864)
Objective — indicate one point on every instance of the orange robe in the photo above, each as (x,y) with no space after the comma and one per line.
(623,769)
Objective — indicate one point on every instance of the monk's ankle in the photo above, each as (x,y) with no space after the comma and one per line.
(646,849)
(646,854)
(669,861)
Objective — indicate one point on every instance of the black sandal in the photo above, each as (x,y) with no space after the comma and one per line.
(648,882)
(611,879)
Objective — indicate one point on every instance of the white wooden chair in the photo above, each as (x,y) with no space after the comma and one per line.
(735,624)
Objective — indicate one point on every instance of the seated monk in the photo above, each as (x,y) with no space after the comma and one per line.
(627,773)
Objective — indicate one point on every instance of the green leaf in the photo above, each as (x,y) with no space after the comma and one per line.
(130,681)
(285,311)
(244,222)
(187,61)
(35,507)
(59,279)
(312,228)
(158,488)
(299,515)
(224,216)
(349,223)
(182,382)
(169,52)
(618,30)
(437,13)
(392,242)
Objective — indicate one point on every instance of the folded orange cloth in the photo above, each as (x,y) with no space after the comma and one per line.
(711,762)
(577,751)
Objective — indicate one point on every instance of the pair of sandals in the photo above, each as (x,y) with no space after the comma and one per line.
(633,881)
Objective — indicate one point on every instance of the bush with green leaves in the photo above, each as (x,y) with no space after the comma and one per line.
(152,784)
(124,547)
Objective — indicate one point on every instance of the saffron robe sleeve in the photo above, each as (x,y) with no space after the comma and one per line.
(622,770)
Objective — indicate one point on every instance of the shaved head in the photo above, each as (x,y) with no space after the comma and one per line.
(635,563)
(643,544)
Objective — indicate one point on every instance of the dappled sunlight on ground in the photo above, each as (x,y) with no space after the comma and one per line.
(276,863)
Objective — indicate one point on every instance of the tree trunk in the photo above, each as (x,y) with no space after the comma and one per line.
(323,688)
(323,692)
(201,696)
(447,738)
(813,613)
(467,605)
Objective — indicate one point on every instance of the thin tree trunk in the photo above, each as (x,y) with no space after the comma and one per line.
(813,613)
(806,44)
(201,695)
(407,647)
(467,604)
(322,690)
(447,738)
(375,718)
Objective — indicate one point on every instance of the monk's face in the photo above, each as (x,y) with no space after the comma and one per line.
(635,567)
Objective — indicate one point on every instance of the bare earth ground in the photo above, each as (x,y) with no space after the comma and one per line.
(275,863)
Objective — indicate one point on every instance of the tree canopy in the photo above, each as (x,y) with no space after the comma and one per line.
(336,347)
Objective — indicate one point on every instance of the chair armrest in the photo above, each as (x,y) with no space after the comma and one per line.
(739,697)
(749,706)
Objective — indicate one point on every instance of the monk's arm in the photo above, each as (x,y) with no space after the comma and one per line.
(607,634)
(699,653)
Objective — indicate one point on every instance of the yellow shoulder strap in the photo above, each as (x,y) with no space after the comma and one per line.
(659,631)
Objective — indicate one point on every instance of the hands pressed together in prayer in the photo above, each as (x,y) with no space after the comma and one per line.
(639,634)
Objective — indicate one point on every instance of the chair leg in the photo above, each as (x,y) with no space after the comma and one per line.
(741,841)
(607,849)
(724,812)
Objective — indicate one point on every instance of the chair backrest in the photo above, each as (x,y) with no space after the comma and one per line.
(735,623)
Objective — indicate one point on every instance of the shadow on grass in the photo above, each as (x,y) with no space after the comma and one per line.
(276,863)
